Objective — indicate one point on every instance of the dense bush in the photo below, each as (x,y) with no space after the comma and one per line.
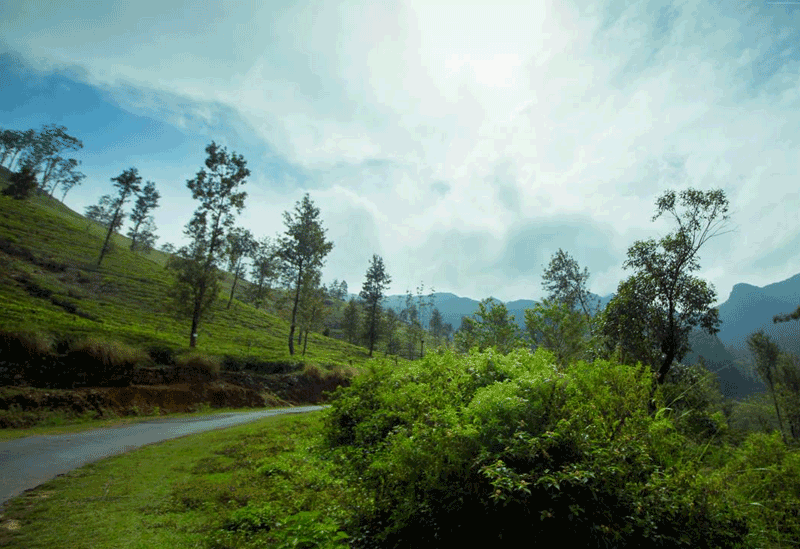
(481,448)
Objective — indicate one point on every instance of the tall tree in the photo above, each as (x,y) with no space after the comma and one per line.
(391,322)
(554,325)
(103,212)
(302,248)
(377,280)
(490,326)
(314,308)
(127,183)
(15,143)
(566,284)
(196,265)
(414,332)
(21,184)
(338,290)
(766,354)
(45,151)
(350,321)
(141,218)
(436,325)
(240,245)
(68,177)
(655,309)
(264,268)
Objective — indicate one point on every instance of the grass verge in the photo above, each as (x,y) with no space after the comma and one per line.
(256,485)
(57,424)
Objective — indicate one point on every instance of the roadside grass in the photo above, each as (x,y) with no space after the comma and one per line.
(50,283)
(256,485)
(58,422)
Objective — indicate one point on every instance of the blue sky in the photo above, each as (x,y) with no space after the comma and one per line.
(464,142)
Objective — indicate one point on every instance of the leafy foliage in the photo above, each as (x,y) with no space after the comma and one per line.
(21,184)
(302,248)
(351,321)
(556,327)
(485,447)
(376,281)
(196,265)
(142,232)
(566,283)
(127,183)
(654,310)
(490,326)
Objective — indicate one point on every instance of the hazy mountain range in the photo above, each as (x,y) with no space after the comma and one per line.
(747,309)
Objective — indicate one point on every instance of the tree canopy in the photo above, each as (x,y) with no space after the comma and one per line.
(376,282)
(127,183)
(654,310)
(302,248)
(196,265)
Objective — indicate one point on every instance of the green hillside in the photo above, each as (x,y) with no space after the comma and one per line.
(51,284)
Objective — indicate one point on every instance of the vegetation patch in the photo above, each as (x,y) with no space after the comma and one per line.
(207,491)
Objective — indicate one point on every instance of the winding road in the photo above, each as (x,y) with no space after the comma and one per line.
(28,462)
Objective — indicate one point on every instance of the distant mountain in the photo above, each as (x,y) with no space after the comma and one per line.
(750,308)
(454,308)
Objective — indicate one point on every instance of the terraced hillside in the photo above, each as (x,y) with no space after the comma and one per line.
(49,282)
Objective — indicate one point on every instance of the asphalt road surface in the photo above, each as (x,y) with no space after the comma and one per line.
(28,462)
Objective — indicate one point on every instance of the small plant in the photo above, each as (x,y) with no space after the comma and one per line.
(251,519)
(306,530)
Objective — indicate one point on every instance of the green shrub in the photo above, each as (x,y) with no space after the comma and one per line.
(763,479)
(486,447)
(251,518)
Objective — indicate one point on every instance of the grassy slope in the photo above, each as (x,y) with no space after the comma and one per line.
(184,492)
(127,295)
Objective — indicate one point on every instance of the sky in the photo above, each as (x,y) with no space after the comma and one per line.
(463,142)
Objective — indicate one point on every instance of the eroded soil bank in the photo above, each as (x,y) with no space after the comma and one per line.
(153,393)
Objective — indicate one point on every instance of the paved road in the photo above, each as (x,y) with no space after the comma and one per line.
(28,462)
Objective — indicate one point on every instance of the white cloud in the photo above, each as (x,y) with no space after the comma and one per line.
(518,110)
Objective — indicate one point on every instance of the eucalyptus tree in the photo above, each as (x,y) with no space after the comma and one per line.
(127,183)
(196,265)
(44,152)
(372,292)
(654,310)
(303,247)
(240,245)
(490,326)
(766,353)
(143,227)
(264,268)
(350,321)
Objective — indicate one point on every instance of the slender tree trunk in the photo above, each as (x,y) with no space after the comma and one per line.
(195,323)
(13,158)
(305,343)
(135,235)
(233,288)
(777,410)
(294,310)
(372,330)
(111,226)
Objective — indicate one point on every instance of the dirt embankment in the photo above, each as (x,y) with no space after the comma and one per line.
(157,390)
